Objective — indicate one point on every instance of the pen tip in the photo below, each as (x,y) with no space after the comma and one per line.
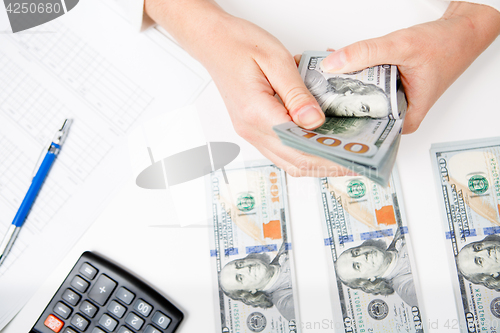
(67,123)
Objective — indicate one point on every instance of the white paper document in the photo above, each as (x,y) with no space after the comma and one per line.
(88,65)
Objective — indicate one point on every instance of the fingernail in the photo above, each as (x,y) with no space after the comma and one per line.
(309,116)
(333,62)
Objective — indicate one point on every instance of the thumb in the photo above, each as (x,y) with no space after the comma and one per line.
(360,55)
(299,102)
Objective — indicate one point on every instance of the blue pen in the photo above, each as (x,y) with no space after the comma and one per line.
(36,185)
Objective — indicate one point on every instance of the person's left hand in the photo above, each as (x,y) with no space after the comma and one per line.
(429,56)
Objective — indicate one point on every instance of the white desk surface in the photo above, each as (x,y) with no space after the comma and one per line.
(175,259)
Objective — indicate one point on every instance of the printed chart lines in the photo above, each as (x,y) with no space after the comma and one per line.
(14,167)
(40,113)
(114,95)
(15,171)
(25,101)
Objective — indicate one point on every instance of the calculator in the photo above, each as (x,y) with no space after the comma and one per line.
(97,296)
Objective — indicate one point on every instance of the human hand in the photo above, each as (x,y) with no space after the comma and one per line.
(429,56)
(249,67)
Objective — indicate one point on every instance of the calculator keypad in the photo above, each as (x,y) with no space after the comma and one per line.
(134,321)
(69,330)
(108,323)
(54,323)
(88,271)
(97,330)
(80,284)
(79,322)
(96,301)
(71,297)
(161,319)
(88,309)
(124,329)
(124,295)
(151,329)
(102,289)
(116,309)
(143,307)
(62,310)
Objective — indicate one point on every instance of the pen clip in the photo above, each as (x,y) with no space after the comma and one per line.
(40,158)
(58,139)
(61,135)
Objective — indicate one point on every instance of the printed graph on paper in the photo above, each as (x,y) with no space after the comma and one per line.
(85,71)
(15,171)
(39,113)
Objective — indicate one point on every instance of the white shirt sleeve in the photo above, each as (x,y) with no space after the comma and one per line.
(492,3)
(134,11)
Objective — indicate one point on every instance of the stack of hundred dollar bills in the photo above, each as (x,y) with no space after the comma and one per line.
(364,117)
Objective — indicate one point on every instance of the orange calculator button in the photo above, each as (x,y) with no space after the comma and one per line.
(54,323)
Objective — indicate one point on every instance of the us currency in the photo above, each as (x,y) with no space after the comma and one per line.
(364,116)
(467,175)
(251,251)
(373,284)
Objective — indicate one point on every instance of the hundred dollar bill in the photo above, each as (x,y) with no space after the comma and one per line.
(373,285)
(467,175)
(364,117)
(251,251)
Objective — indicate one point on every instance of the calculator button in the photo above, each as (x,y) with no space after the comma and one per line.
(71,297)
(142,307)
(54,323)
(97,330)
(125,295)
(124,329)
(69,330)
(151,329)
(102,289)
(79,322)
(160,319)
(134,320)
(88,271)
(107,322)
(116,309)
(88,309)
(62,310)
(79,284)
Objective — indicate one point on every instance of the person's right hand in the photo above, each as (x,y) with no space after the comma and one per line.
(249,67)
(430,56)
